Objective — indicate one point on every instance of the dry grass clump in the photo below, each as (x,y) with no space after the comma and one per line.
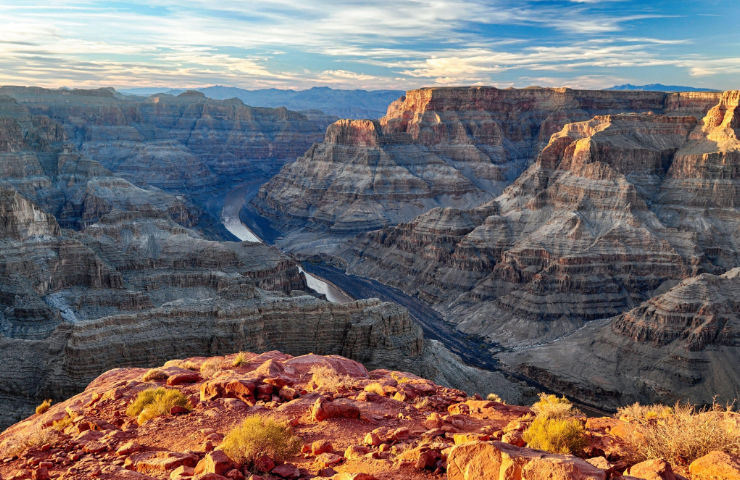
(326,378)
(210,367)
(552,406)
(682,433)
(257,436)
(44,406)
(492,397)
(554,428)
(155,402)
(241,357)
(155,374)
(62,424)
(19,444)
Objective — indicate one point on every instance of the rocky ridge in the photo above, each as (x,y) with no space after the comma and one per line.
(437,147)
(616,210)
(353,424)
(187,144)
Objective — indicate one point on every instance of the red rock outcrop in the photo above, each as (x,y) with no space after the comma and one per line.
(433,432)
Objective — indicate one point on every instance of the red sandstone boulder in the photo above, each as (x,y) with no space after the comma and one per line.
(494,460)
(715,466)
(215,462)
(655,469)
(286,470)
(324,409)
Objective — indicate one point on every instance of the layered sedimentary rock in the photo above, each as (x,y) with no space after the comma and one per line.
(685,342)
(616,210)
(448,147)
(96,272)
(186,143)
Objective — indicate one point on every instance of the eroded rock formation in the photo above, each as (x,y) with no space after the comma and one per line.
(446,147)
(616,209)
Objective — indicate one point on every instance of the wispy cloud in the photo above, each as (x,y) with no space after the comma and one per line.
(346,43)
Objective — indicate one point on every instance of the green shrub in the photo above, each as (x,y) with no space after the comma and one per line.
(258,435)
(555,435)
(155,402)
(44,406)
(682,433)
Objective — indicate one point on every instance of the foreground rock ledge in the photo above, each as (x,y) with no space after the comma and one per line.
(355,424)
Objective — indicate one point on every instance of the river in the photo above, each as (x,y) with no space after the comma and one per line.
(233,202)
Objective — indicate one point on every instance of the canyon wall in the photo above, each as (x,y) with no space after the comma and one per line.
(96,272)
(615,210)
(437,147)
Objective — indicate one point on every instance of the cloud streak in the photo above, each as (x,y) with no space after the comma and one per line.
(351,44)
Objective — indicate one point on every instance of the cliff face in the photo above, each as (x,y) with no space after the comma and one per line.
(96,272)
(187,143)
(615,210)
(683,343)
(449,147)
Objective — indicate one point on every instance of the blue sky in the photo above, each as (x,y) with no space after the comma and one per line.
(399,44)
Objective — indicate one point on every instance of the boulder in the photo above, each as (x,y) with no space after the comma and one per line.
(655,469)
(715,466)
(214,462)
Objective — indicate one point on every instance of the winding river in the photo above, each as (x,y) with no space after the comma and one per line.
(233,202)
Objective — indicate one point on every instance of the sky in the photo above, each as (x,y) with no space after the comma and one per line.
(385,44)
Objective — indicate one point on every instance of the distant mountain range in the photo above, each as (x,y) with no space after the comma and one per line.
(342,103)
(659,87)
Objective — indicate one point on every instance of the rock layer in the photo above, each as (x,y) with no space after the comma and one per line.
(449,147)
(615,210)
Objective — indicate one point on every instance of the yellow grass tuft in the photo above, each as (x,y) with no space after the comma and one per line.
(155,402)
(44,406)
(257,436)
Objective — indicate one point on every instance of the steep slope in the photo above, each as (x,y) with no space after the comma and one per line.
(449,147)
(685,341)
(616,210)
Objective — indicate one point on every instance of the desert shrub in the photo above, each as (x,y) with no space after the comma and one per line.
(187,365)
(326,378)
(154,374)
(555,435)
(60,425)
(210,367)
(44,406)
(400,378)
(240,358)
(258,435)
(492,397)
(682,433)
(155,402)
(18,444)
(554,429)
(552,406)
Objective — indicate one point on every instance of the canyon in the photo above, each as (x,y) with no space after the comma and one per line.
(129,265)
(598,203)
(580,242)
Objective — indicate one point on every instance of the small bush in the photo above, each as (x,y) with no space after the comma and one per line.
(681,434)
(326,378)
(210,367)
(154,374)
(240,358)
(258,435)
(492,397)
(44,406)
(155,402)
(60,425)
(555,435)
(551,406)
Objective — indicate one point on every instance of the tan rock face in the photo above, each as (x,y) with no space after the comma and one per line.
(615,211)
(450,147)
